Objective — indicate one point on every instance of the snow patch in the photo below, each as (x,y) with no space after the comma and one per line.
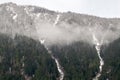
(56,20)
(29,10)
(42,41)
(14,14)
(38,15)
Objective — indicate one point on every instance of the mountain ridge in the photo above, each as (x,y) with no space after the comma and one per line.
(26,20)
(11,3)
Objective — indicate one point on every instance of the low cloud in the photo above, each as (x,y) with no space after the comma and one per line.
(65,33)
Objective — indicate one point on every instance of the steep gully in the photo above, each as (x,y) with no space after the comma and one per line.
(59,67)
(98,45)
(61,77)
(98,48)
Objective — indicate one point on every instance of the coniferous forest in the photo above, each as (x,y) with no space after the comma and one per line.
(23,58)
(111,56)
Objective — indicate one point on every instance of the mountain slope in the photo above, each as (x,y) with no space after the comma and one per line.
(79,60)
(111,56)
(69,38)
(25,59)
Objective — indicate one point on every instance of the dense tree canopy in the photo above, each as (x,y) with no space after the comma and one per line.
(111,56)
(79,60)
(25,58)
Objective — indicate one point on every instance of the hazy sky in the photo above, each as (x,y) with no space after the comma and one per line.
(103,8)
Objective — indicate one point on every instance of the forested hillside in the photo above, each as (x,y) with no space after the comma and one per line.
(111,56)
(79,60)
(25,59)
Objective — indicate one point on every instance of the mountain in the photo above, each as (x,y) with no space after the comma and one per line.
(23,20)
(40,44)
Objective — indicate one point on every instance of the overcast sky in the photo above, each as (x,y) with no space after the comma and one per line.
(103,8)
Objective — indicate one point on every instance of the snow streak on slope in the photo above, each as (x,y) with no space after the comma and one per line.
(97,46)
(50,52)
(61,77)
(57,19)
(14,17)
(60,70)
(56,61)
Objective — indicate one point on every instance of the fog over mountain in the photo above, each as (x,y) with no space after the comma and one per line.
(70,27)
(71,39)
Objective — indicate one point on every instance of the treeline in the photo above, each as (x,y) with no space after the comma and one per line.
(25,59)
